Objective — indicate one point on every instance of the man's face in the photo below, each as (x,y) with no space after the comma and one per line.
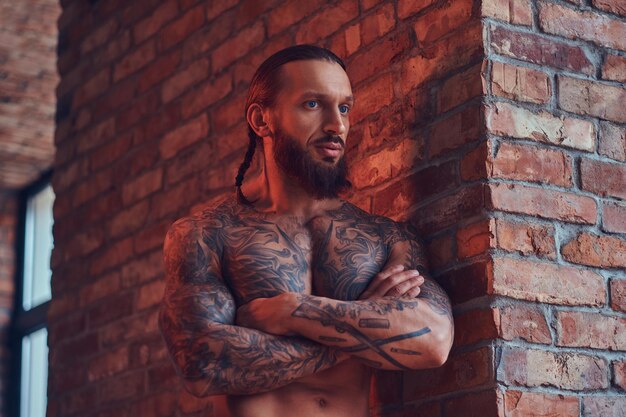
(309,124)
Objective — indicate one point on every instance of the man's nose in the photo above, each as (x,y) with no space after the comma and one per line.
(335,123)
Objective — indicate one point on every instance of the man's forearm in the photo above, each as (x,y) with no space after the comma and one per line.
(389,333)
(236,360)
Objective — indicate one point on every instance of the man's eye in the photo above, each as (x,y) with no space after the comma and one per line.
(344,109)
(311,104)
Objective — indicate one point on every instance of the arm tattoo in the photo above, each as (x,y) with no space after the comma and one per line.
(337,316)
(197,321)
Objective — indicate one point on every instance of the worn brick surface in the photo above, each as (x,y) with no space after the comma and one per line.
(605,179)
(524,403)
(589,98)
(595,250)
(525,238)
(524,322)
(604,406)
(520,83)
(583,329)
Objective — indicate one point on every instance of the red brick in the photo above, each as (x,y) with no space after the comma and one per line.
(547,283)
(238,46)
(524,403)
(128,220)
(289,13)
(543,203)
(70,174)
(148,351)
(112,50)
(110,151)
(586,25)
(121,387)
(603,178)
(118,96)
(129,328)
(228,113)
(614,68)
(179,197)
(184,136)
(611,6)
(327,21)
(614,217)
(467,282)
(475,239)
(112,308)
(525,238)
(378,24)
(518,12)
(452,52)
(507,120)
(92,88)
(152,23)
(134,61)
(386,164)
(352,38)
(150,295)
(591,98)
(529,163)
(157,71)
(612,141)
(449,210)
(205,95)
(93,186)
(377,59)
(109,364)
(102,287)
(458,129)
(112,256)
(162,376)
(160,405)
(97,37)
(519,83)
(591,330)
(144,185)
(539,50)
(524,322)
(482,404)
(459,89)
(442,20)
(66,328)
(440,252)
(150,237)
(594,250)
(182,27)
(142,269)
(604,406)
(75,349)
(476,163)
(215,8)
(408,8)
(419,186)
(619,374)
(78,401)
(83,243)
(618,294)
(475,326)
(564,370)
(179,82)
(372,97)
(463,370)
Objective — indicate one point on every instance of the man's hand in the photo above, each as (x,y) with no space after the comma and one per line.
(394,281)
(265,314)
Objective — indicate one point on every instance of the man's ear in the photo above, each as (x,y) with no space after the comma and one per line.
(258,119)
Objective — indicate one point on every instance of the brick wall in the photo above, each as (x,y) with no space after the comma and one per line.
(470,123)
(554,161)
(8,226)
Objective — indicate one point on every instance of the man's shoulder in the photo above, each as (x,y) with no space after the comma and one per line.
(350,210)
(214,214)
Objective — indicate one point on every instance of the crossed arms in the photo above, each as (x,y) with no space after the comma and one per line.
(270,342)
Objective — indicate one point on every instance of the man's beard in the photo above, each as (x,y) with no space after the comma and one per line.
(316,178)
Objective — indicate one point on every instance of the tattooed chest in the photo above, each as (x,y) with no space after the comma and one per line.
(323,257)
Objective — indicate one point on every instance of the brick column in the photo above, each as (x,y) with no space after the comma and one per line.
(495,126)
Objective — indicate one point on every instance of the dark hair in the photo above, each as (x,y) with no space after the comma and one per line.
(264,87)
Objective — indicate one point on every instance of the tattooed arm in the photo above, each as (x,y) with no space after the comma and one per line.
(386,332)
(212,355)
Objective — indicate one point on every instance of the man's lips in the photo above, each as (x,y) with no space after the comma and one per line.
(330,149)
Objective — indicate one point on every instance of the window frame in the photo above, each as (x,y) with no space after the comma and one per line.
(23,322)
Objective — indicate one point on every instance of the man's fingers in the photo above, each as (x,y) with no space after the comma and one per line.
(413,292)
(406,285)
(379,278)
(398,280)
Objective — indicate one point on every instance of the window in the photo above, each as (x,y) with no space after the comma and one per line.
(33,297)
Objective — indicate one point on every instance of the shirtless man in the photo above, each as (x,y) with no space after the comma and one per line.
(286,297)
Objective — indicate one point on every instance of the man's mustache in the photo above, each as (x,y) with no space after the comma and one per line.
(330,139)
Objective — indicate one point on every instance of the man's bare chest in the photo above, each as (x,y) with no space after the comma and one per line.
(326,256)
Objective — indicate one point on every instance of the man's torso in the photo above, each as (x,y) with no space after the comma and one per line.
(334,255)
